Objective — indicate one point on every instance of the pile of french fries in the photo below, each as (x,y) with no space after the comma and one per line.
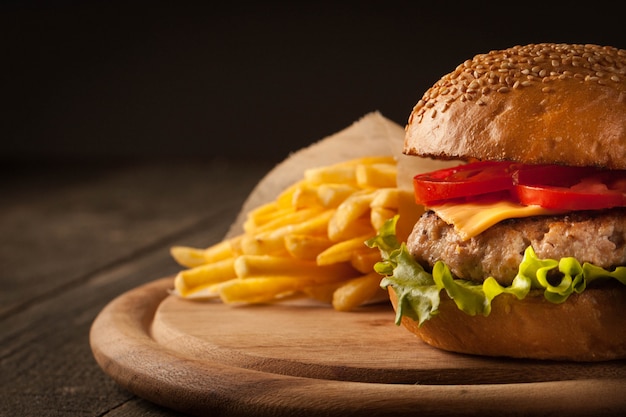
(308,242)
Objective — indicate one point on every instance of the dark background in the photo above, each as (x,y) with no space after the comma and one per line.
(254,80)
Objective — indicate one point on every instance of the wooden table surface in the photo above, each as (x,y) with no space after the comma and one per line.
(73,237)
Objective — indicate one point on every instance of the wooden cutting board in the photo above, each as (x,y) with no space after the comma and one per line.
(306,359)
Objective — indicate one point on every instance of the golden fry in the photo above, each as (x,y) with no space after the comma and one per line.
(376,175)
(204,275)
(304,246)
(261,215)
(356,292)
(314,226)
(333,174)
(222,250)
(305,196)
(272,242)
(370,160)
(263,244)
(342,251)
(322,292)
(285,198)
(251,265)
(387,198)
(363,260)
(235,245)
(332,195)
(192,257)
(202,292)
(259,289)
(379,215)
(289,218)
(347,214)
(187,256)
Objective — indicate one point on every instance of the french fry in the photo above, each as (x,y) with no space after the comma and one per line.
(345,222)
(387,198)
(272,242)
(363,260)
(202,292)
(379,215)
(314,226)
(305,246)
(376,175)
(342,251)
(340,174)
(332,195)
(370,160)
(259,289)
(247,266)
(305,196)
(285,198)
(187,256)
(262,215)
(203,275)
(192,257)
(286,218)
(235,245)
(322,292)
(356,292)
(222,250)
(263,244)
(271,218)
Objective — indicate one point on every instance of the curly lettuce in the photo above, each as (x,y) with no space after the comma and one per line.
(418,291)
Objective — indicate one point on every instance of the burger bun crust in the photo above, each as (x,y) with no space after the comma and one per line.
(588,327)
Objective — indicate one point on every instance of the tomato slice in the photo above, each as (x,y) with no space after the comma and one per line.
(570,188)
(463,181)
(550,186)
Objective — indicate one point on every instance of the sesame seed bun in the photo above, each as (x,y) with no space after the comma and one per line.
(539,103)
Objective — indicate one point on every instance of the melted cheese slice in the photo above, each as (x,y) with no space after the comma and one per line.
(472,219)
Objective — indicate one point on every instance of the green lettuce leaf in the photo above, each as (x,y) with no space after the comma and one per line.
(418,290)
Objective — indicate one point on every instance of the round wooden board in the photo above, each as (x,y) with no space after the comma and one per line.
(277,360)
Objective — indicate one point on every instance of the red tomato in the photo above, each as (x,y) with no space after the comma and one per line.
(550,186)
(463,181)
(570,188)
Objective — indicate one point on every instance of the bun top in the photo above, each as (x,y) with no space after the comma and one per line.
(539,103)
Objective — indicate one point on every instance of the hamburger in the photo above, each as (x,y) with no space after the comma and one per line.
(521,249)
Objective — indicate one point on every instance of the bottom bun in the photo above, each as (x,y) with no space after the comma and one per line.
(587,327)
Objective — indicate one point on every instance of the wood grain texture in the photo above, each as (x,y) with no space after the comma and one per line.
(74,237)
(185,356)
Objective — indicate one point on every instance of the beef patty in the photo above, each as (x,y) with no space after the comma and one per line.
(595,237)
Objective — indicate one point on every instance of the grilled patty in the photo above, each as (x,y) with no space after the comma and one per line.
(595,237)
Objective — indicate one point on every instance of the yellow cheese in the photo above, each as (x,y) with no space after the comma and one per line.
(471,219)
